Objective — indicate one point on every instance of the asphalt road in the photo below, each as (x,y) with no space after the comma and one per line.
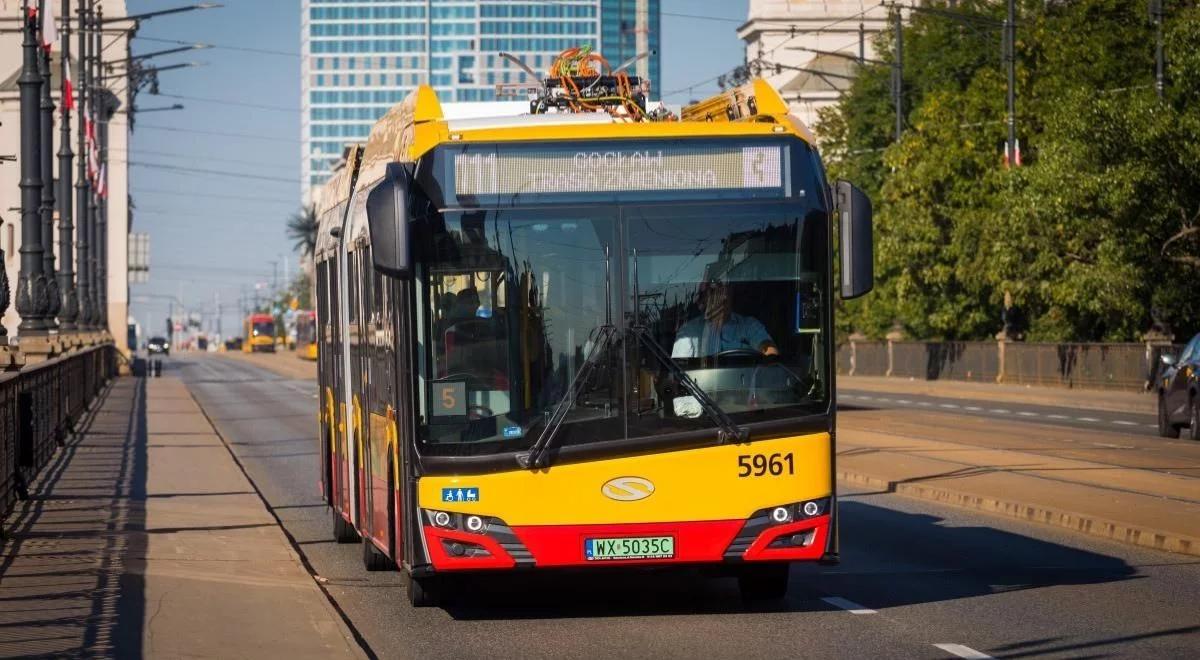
(917,580)
(1075,418)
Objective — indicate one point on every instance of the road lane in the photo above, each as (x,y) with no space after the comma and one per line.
(1087,419)
(932,575)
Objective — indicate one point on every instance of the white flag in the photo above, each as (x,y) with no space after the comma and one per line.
(49,27)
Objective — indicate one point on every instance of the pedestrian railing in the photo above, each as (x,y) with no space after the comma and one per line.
(1127,366)
(39,407)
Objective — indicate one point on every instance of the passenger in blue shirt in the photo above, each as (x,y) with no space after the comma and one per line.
(720,329)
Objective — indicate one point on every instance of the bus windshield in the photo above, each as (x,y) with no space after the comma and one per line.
(514,302)
(263,328)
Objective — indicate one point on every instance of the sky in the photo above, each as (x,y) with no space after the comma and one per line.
(215,183)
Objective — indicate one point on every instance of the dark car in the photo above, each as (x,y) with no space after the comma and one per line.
(158,345)
(1178,389)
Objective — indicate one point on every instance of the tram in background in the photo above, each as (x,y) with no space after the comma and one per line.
(593,335)
(258,332)
(306,334)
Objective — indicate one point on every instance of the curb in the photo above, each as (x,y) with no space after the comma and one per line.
(1077,522)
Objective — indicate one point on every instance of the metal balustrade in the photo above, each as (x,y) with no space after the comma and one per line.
(40,406)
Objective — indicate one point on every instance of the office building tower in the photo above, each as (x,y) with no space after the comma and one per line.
(361,57)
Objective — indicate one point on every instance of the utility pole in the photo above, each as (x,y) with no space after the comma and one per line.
(46,157)
(69,308)
(1010,57)
(898,70)
(31,280)
(862,43)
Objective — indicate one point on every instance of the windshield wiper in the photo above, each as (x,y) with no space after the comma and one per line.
(536,458)
(728,430)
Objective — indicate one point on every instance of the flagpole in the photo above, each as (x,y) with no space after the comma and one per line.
(47,163)
(31,281)
(82,193)
(66,228)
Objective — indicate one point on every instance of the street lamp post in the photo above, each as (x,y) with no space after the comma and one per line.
(46,157)
(100,194)
(31,280)
(66,272)
(82,186)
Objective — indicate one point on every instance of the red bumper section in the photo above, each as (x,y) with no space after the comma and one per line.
(498,546)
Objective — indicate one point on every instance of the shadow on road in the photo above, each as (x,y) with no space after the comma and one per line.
(890,559)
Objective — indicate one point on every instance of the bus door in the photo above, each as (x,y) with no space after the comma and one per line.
(321,332)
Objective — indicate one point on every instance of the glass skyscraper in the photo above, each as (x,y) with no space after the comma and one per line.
(360,57)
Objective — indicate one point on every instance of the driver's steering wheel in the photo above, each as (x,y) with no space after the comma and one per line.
(740,353)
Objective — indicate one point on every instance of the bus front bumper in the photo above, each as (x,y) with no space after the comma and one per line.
(759,538)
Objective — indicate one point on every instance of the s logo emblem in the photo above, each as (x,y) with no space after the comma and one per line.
(627,489)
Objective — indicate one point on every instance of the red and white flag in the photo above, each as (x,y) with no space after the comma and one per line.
(102,182)
(49,27)
(89,129)
(68,92)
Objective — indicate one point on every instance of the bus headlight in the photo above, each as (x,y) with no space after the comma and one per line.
(441,519)
(781,514)
(474,524)
(811,508)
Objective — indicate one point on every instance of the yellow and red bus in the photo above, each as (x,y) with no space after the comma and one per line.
(306,334)
(258,332)
(593,335)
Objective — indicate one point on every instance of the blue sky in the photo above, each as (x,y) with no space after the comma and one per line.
(217,234)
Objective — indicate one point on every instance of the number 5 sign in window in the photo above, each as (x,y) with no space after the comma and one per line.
(450,399)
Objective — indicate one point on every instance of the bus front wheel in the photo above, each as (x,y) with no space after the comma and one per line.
(759,582)
(421,592)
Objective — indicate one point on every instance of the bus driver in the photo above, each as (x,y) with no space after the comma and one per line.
(720,329)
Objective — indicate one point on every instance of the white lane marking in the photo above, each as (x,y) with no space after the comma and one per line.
(1087,419)
(904,401)
(1154,426)
(924,403)
(883,399)
(1124,423)
(1105,444)
(963,651)
(848,605)
(948,405)
(1027,414)
(999,411)
(863,396)
(1058,416)
(973,408)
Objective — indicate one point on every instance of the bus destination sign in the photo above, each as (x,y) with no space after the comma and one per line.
(615,170)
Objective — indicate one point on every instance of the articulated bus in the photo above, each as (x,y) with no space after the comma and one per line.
(590,336)
(306,334)
(258,331)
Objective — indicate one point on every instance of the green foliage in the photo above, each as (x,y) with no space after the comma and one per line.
(1099,227)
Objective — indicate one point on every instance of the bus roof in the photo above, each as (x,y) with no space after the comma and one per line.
(256,318)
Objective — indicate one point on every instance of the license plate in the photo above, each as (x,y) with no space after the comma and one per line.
(629,547)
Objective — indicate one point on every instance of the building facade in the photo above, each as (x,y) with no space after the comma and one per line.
(360,57)
(115,138)
(784,36)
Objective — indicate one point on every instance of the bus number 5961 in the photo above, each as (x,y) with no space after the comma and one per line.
(758,465)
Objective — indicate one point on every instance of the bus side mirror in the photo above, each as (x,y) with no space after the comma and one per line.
(857,244)
(387,220)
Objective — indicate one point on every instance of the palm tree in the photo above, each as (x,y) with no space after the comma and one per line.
(302,228)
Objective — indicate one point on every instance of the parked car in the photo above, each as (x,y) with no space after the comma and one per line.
(1178,389)
(159,346)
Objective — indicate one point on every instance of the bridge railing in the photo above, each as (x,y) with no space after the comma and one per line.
(39,407)
(1125,366)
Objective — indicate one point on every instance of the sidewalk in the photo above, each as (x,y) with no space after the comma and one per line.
(1150,508)
(143,538)
(1110,400)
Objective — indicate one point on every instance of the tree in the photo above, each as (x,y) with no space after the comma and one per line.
(302,228)
(1099,227)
